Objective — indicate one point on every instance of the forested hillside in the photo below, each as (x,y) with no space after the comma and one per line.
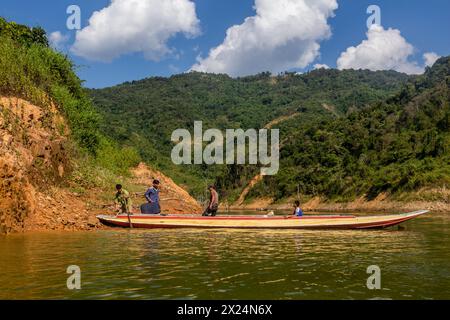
(396,146)
(144,113)
(344,134)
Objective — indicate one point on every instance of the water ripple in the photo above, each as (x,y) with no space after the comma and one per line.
(229,264)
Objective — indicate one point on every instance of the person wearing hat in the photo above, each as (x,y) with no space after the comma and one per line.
(152,195)
(213,202)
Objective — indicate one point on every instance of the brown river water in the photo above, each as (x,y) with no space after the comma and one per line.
(230,264)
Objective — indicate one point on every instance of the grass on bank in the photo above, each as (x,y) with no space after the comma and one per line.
(31,70)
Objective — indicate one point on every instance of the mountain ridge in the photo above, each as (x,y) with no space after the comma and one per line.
(144,113)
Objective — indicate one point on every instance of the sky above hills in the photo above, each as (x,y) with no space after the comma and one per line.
(121,40)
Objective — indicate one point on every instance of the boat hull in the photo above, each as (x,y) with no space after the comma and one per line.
(259,222)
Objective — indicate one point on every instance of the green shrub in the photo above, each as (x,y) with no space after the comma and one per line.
(30,69)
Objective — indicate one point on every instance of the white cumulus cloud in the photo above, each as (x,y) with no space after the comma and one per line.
(321,66)
(283,34)
(430,58)
(57,39)
(128,26)
(384,49)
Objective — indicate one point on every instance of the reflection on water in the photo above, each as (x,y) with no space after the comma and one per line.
(230,264)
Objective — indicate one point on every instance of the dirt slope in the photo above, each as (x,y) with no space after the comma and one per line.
(174,199)
(32,156)
(35,164)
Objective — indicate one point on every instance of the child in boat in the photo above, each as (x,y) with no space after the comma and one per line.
(152,196)
(297,211)
(122,199)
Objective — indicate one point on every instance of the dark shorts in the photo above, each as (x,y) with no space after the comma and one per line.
(211,211)
(150,208)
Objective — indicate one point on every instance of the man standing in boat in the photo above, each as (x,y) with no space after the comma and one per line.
(122,199)
(152,196)
(213,204)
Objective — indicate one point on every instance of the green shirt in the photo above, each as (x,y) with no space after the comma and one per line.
(123,198)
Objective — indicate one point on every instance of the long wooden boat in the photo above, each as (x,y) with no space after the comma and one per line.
(260,221)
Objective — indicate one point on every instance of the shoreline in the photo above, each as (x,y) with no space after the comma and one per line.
(336,208)
(53,212)
(360,205)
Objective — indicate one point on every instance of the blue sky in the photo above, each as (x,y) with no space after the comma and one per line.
(424,27)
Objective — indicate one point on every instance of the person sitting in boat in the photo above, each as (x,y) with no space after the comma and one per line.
(213,204)
(152,196)
(122,199)
(297,211)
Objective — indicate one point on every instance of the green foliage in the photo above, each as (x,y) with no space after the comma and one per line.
(144,113)
(397,146)
(354,133)
(24,35)
(37,73)
(119,162)
(33,71)
(83,119)
(19,71)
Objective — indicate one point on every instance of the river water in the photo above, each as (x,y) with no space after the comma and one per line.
(230,264)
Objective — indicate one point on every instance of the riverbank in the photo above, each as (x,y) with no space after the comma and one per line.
(65,210)
(41,187)
(382,203)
